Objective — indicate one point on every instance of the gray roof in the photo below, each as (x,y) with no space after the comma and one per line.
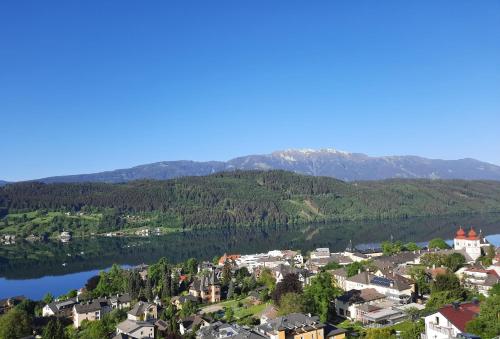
(223,330)
(287,269)
(58,306)
(129,326)
(339,272)
(389,261)
(139,308)
(291,323)
(161,325)
(202,283)
(361,278)
(92,306)
(360,296)
(192,321)
(124,298)
(340,259)
(331,330)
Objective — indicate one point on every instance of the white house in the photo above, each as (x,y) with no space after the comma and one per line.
(449,320)
(90,311)
(320,253)
(345,305)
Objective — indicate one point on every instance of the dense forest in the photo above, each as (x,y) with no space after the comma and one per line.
(241,198)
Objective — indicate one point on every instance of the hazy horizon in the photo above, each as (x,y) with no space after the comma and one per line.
(224,160)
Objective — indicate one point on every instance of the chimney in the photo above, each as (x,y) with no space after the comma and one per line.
(359,270)
(456,305)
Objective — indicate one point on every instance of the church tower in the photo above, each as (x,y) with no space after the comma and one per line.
(471,243)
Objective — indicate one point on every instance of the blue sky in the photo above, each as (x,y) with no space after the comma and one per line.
(88,86)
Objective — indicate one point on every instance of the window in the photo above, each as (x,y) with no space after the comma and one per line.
(437,320)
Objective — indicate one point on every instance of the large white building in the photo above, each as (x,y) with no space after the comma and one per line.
(470,243)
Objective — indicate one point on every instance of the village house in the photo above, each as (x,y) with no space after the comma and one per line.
(479,279)
(135,329)
(298,325)
(394,287)
(340,276)
(223,330)
(495,267)
(143,311)
(450,320)
(322,257)
(90,311)
(399,259)
(294,257)
(282,270)
(339,258)
(231,258)
(353,254)
(207,266)
(63,309)
(346,304)
(206,288)
(8,303)
(191,323)
(268,314)
(383,313)
(320,253)
(272,262)
(179,301)
(120,301)
(294,325)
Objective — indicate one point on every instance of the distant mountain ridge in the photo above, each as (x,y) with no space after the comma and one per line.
(317,162)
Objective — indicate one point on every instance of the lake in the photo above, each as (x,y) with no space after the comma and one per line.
(32,269)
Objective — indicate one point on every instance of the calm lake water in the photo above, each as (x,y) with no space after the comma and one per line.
(34,269)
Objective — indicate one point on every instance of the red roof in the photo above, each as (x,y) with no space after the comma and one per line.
(230,257)
(461,315)
(460,233)
(472,234)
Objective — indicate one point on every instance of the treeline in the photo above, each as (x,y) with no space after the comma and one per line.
(259,198)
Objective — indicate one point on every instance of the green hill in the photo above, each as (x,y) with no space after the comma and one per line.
(241,198)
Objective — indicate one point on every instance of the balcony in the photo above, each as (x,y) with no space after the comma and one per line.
(443,330)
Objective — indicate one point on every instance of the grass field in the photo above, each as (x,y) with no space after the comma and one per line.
(242,307)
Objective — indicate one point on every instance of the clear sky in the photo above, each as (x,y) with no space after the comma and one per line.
(87,86)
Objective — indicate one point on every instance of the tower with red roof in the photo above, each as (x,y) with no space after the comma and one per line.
(469,242)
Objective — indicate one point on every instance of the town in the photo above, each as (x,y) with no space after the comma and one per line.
(398,291)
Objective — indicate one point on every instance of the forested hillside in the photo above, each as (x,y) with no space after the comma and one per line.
(241,198)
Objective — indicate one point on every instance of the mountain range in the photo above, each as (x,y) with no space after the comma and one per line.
(317,162)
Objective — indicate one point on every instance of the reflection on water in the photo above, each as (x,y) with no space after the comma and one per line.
(54,266)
